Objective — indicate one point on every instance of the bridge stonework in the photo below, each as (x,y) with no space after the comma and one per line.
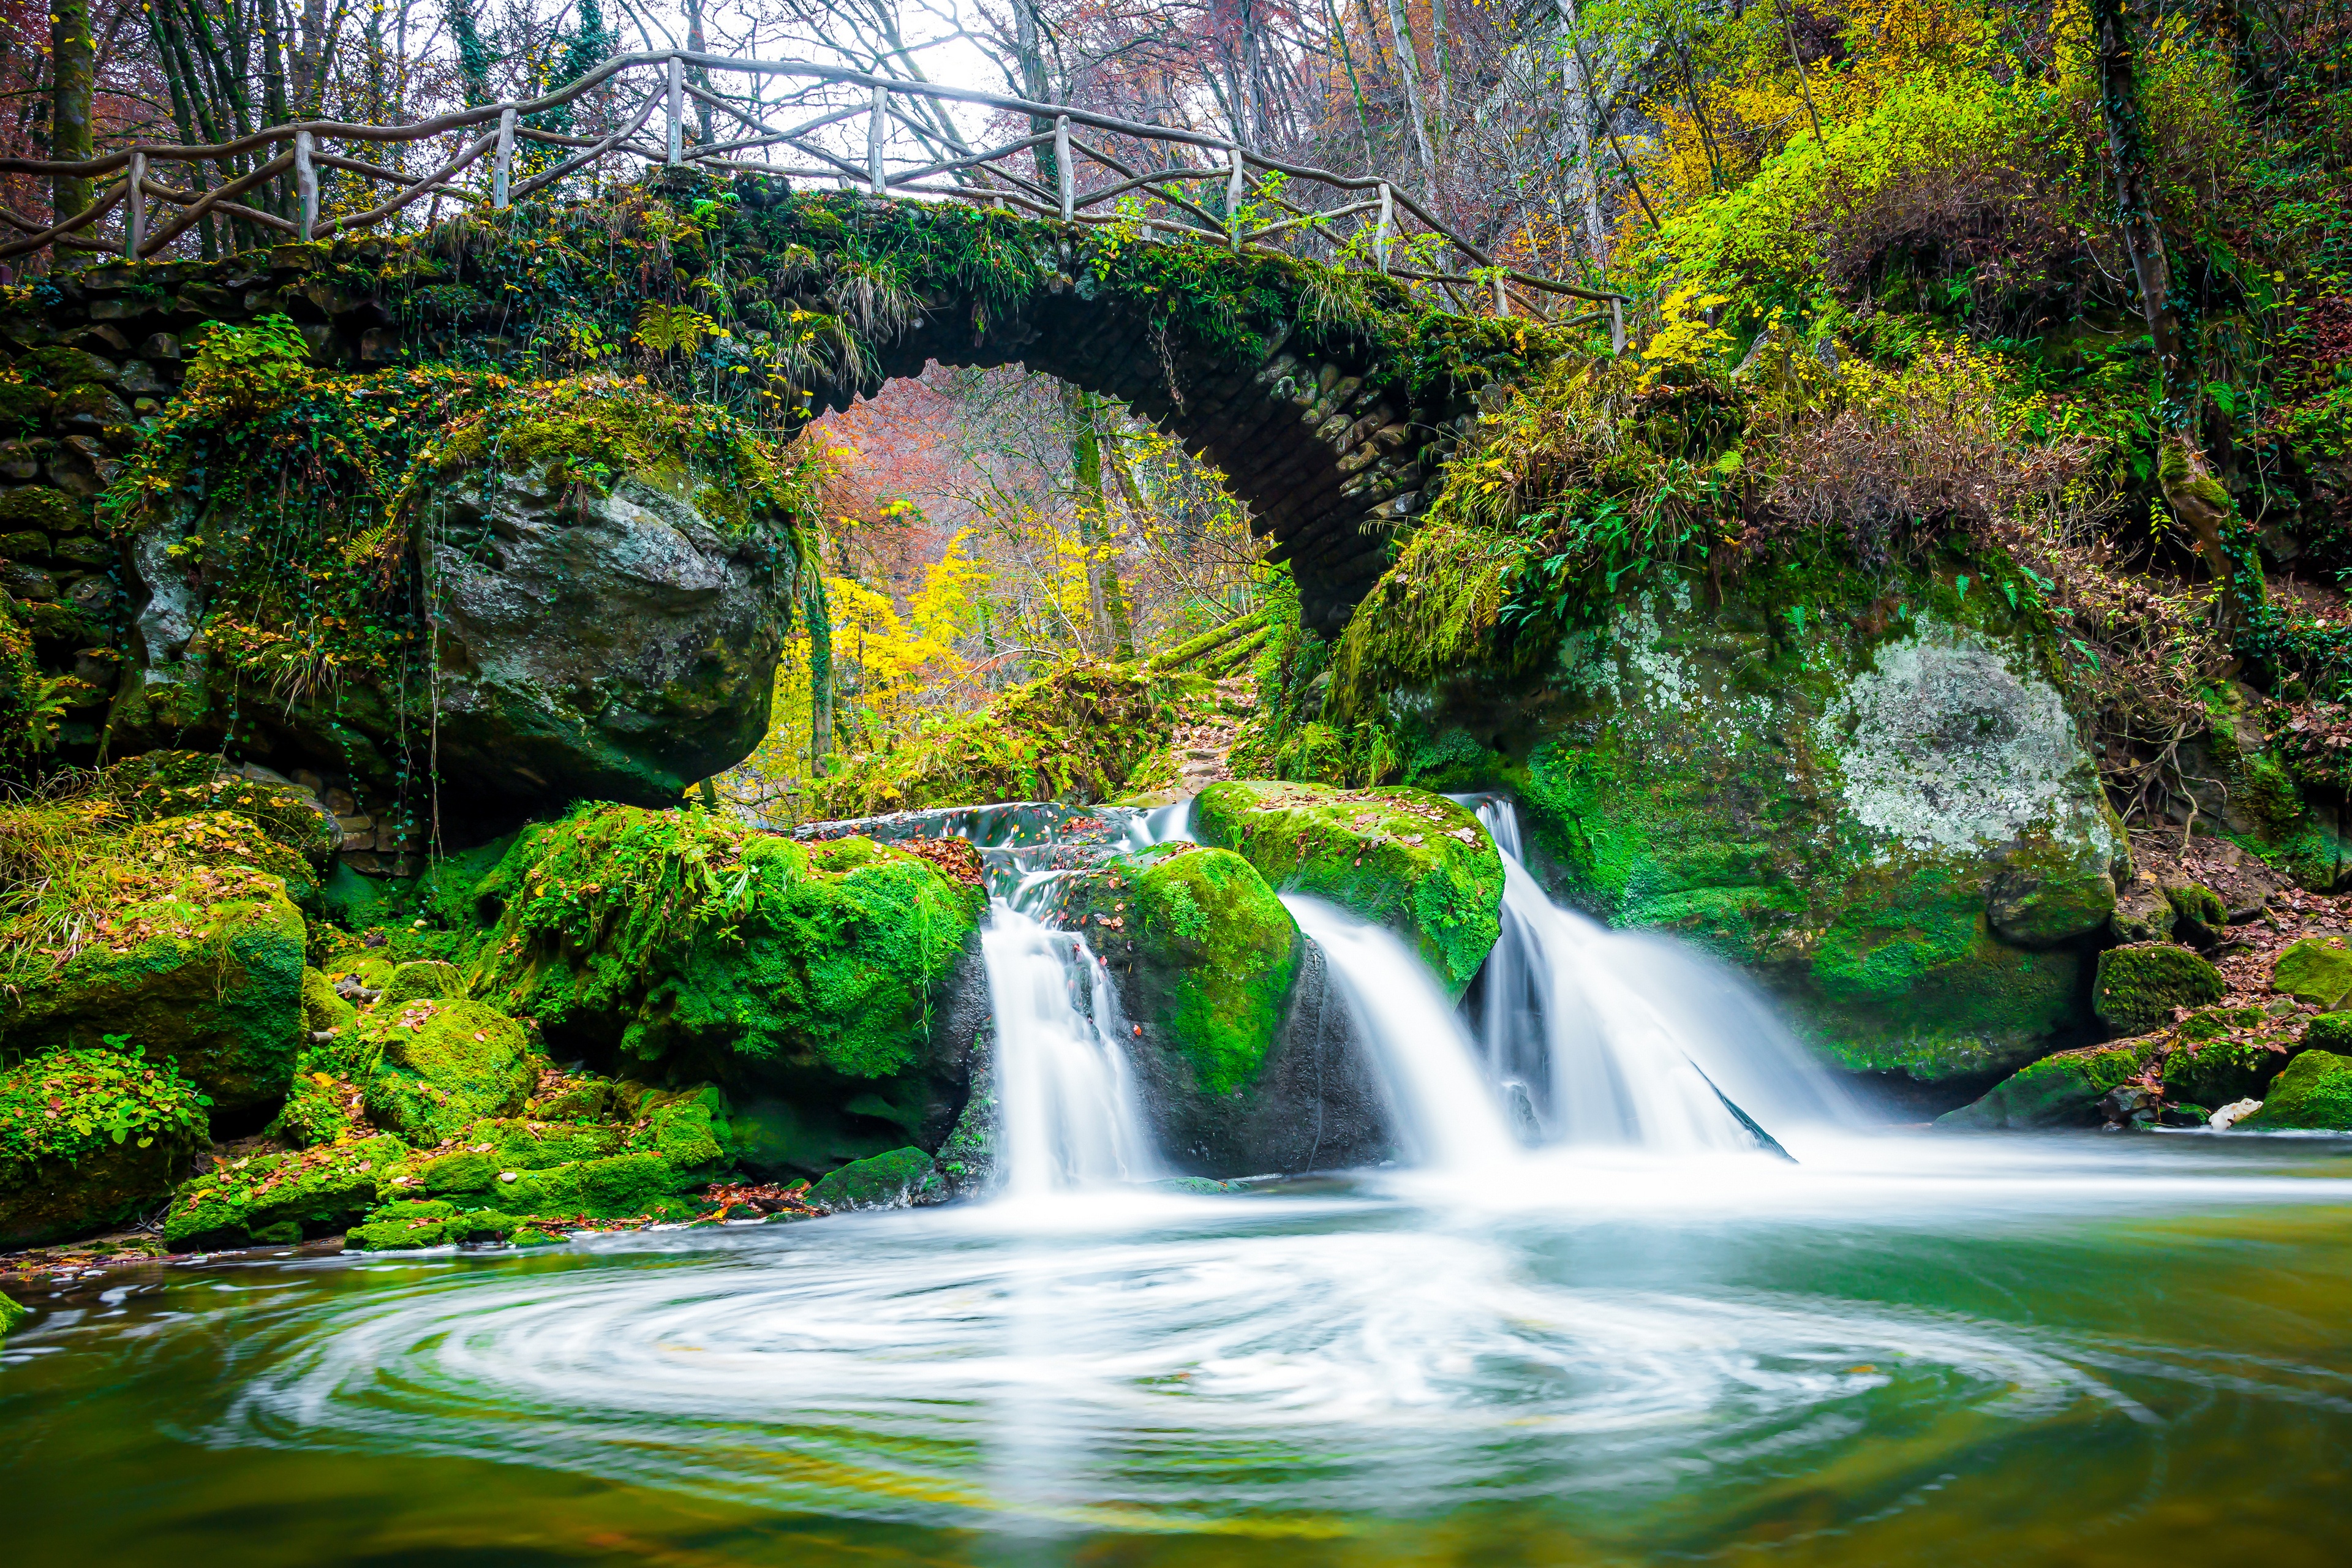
(1330,437)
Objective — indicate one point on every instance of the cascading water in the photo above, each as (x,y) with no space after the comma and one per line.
(1061,1081)
(1619,1038)
(1445,1114)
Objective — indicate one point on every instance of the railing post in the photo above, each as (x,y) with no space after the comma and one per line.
(1233,197)
(134,220)
(877,120)
(1065,179)
(1501,300)
(1382,230)
(1617,326)
(676,111)
(502,161)
(306,183)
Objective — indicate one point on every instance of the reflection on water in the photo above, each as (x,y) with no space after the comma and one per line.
(1931,1350)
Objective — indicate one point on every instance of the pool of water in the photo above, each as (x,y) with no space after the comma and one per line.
(2065,1351)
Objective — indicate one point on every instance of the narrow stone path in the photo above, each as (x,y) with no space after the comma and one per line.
(1203,748)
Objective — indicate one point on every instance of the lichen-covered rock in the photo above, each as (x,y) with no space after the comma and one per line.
(91,1138)
(2143,912)
(206,971)
(2314,1092)
(1415,862)
(442,1065)
(1867,789)
(2136,988)
(283,1198)
(892,1180)
(2064,1090)
(818,975)
(2316,968)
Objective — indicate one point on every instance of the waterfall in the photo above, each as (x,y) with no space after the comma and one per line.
(1445,1114)
(1063,1091)
(1623,1038)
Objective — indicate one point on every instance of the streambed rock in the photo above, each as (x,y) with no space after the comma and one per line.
(1869,792)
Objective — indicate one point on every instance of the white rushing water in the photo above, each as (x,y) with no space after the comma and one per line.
(1632,1039)
(1445,1113)
(1064,1090)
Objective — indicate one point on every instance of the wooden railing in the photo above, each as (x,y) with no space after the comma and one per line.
(1366,223)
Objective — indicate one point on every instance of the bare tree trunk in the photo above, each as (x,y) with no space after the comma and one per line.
(1579,121)
(1037,83)
(2197,497)
(1411,68)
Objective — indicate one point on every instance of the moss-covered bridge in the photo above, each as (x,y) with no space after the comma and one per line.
(1328,399)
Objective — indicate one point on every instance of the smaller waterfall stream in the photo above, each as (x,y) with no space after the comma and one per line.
(1062,1079)
(1446,1115)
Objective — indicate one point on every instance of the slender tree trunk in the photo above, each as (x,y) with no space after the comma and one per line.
(2197,497)
(1355,85)
(73,54)
(701,78)
(1105,596)
(1037,84)
(1411,69)
(1579,121)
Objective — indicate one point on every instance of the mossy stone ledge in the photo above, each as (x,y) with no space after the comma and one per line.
(1415,862)
(2314,1093)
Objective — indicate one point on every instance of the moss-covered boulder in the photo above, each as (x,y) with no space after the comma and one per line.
(408,1223)
(162,785)
(91,1138)
(2136,989)
(892,1180)
(2314,1092)
(204,969)
(1867,789)
(819,977)
(283,1198)
(442,1065)
(2060,1090)
(420,980)
(323,1008)
(2223,1055)
(2317,969)
(1415,862)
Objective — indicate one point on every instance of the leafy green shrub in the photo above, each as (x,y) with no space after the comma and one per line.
(67,1104)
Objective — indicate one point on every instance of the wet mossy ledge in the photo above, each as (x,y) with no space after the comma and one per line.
(618,1017)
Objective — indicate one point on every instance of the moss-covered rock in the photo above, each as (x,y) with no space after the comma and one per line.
(2136,988)
(817,971)
(91,1138)
(2316,968)
(2060,1090)
(2197,910)
(207,974)
(420,980)
(161,786)
(1865,788)
(885,1181)
(1213,953)
(283,1198)
(442,1065)
(2330,1032)
(408,1223)
(1415,862)
(2315,1092)
(323,1009)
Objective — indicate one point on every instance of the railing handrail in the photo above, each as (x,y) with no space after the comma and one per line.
(1067,204)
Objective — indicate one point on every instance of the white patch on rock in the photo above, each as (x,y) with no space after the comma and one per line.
(1941,746)
(2230,1115)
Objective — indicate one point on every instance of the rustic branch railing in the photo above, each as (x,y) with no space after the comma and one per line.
(985,177)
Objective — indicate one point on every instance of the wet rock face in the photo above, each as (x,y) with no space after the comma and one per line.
(615,646)
(1870,793)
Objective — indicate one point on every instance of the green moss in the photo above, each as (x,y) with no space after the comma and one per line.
(423,979)
(432,1222)
(2316,968)
(2060,1090)
(2136,989)
(156,785)
(1080,734)
(2315,1091)
(209,975)
(1214,954)
(88,1139)
(1438,612)
(688,939)
(618,1186)
(442,1065)
(318,1192)
(1402,858)
(12,1318)
(2200,908)
(2330,1032)
(885,1181)
(322,1009)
